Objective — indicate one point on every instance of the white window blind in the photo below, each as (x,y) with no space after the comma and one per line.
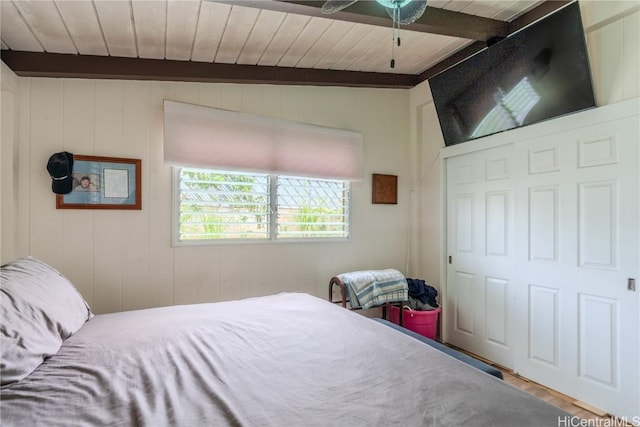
(208,137)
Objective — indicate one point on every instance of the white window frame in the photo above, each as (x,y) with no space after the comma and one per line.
(273,224)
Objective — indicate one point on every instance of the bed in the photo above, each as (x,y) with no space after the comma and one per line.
(290,359)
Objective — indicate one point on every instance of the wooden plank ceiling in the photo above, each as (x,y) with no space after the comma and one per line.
(250,41)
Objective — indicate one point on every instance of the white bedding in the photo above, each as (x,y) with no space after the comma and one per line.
(283,360)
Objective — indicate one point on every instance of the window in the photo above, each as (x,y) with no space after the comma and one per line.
(312,208)
(215,205)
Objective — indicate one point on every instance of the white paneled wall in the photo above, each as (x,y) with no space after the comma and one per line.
(122,260)
(613,39)
(8,162)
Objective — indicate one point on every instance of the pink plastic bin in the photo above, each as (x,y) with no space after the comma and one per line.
(423,322)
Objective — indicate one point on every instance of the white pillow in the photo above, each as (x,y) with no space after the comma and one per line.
(39,309)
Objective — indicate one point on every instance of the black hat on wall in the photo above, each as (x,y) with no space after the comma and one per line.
(60,166)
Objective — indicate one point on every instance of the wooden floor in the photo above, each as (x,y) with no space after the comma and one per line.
(551,396)
(564,402)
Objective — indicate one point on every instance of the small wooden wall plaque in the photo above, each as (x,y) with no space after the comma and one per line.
(384,189)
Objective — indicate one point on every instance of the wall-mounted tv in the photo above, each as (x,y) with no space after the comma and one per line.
(535,74)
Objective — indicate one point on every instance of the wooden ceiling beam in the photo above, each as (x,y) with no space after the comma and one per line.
(32,64)
(434,20)
(37,64)
(517,24)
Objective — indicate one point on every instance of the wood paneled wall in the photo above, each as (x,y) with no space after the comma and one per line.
(122,260)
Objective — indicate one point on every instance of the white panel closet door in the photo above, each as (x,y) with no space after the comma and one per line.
(479,234)
(544,237)
(577,218)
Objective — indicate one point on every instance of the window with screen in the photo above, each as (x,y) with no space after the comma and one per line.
(216,206)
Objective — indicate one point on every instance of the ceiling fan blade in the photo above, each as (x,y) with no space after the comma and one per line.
(410,12)
(333,6)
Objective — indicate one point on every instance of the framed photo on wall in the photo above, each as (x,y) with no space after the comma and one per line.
(103,183)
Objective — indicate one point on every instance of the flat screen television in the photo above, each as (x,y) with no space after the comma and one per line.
(535,74)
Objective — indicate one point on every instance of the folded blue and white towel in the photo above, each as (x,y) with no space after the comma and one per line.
(369,288)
